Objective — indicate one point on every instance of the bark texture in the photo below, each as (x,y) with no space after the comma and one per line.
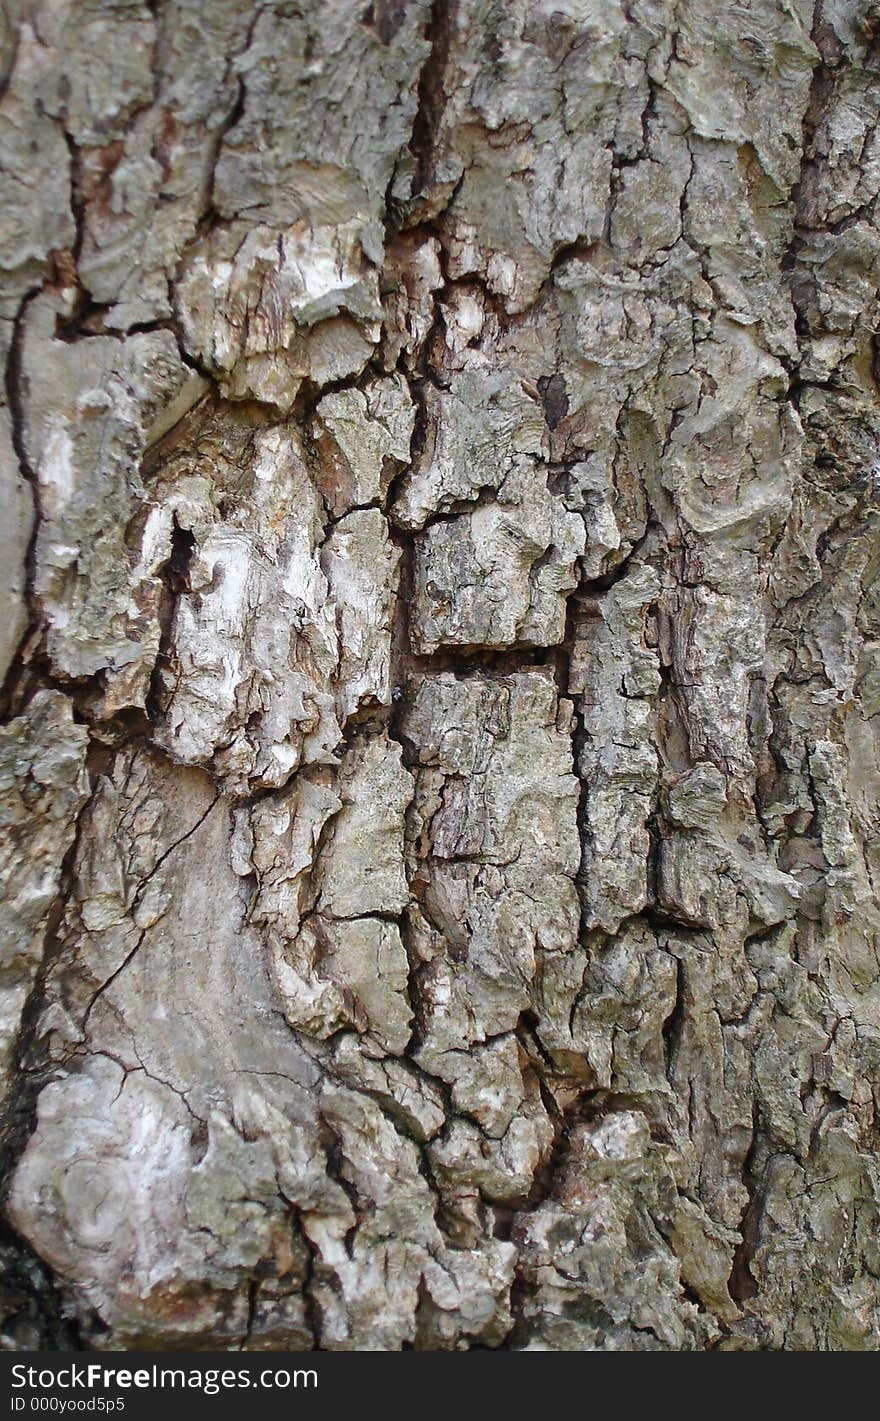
(439,765)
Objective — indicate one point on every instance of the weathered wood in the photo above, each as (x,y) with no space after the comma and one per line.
(439,775)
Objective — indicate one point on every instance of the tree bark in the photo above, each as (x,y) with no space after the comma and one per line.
(439,773)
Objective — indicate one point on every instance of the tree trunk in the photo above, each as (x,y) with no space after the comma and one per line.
(440,764)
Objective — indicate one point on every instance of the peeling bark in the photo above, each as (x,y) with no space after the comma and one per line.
(439,768)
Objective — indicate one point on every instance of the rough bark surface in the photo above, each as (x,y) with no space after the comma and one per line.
(439,769)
